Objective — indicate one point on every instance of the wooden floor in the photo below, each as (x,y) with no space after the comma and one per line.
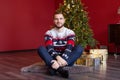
(11,63)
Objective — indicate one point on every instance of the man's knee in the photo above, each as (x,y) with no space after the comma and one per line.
(41,48)
(79,48)
(42,51)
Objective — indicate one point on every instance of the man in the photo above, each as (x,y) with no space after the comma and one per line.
(60,50)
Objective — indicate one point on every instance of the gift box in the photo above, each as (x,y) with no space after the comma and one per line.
(99,53)
(92,58)
(85,61)
(88,61)
(96,61)
(81,61)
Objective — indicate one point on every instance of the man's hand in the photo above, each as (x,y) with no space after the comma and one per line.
(55,64)
(61,61)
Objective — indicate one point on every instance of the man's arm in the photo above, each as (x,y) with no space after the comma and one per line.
(69,46)
(49,46)
(70,43)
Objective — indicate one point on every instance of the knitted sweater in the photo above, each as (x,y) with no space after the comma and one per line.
(59,40)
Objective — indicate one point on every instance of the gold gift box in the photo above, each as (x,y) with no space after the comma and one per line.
(85,61)
(89,59)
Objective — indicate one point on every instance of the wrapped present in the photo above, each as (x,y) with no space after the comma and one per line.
(92,58)
(99,53)
(81,61)
(89,62)
(85,61)
(97,61)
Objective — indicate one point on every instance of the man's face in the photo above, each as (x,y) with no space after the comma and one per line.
(59,20)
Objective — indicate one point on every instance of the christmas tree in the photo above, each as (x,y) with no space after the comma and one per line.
(77,20)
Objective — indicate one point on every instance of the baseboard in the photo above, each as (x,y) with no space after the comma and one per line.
(13,51)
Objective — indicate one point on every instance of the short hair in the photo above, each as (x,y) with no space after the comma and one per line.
(58,12)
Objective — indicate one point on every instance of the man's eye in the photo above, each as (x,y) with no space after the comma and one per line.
(55,19)
(61,18)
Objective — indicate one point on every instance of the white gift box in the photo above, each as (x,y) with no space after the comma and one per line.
(103,53)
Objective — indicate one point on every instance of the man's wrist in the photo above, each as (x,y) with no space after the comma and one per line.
(57,57)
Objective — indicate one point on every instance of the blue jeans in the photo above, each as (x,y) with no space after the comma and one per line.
(74,55)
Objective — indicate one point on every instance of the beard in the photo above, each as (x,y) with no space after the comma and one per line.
(58,27)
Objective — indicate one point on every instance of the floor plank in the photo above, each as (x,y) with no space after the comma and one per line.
(11,63)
